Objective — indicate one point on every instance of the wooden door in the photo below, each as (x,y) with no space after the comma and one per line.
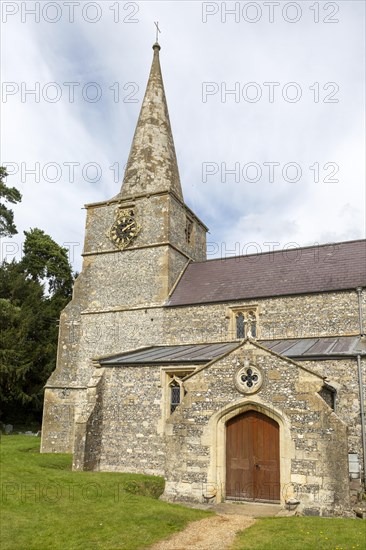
(252,457)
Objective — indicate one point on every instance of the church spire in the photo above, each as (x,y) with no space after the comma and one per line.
(152,162)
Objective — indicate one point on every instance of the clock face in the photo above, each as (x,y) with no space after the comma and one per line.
(124,229)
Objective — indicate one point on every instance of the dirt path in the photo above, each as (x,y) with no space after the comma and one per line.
(216,533)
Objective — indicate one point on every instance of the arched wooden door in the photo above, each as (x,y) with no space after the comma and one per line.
(252,457)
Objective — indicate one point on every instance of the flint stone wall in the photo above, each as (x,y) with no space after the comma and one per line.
(132,414)
(343,374)
(317,452)
(133,433)
(310,315)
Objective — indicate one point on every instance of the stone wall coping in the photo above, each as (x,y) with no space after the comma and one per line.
(179,278)
(254,343)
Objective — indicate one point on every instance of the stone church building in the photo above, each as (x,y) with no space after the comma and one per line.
(237,378)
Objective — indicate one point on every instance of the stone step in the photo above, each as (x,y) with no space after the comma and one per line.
(248,508)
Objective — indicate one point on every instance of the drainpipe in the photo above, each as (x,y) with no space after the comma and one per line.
(362,417)
(359,367)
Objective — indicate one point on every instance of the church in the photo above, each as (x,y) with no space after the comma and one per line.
(235,379)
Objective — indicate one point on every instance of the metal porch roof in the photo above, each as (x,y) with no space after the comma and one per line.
(299,348)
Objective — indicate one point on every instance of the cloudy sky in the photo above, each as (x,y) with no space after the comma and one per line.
(265,100)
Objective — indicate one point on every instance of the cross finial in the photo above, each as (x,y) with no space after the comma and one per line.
(156,23)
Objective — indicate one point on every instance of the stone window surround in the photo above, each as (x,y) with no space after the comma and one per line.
(333,388)
(167,375)
(248,370)
(231,314)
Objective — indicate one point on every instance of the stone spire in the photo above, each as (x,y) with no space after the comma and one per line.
(152,163)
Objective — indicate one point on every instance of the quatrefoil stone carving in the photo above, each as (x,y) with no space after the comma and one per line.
(248,378)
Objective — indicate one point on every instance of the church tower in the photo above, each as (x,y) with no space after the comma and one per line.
(147,216)
(136,246)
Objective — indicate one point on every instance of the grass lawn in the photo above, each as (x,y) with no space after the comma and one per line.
(303,533)
(46,505)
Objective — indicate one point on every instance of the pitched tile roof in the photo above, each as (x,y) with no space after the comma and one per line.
(321,268)
(299,348)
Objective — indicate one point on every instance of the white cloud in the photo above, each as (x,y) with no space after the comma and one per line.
(221,132)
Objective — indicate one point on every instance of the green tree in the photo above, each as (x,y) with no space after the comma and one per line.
(33,292)
(7,194)
(45,260)
(19,298)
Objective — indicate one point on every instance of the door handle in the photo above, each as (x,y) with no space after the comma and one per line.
(258,466)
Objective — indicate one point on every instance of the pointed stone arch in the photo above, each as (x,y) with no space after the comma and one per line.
(215,439)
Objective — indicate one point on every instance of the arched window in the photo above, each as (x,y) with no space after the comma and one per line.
(174,396)
(252,325)
(244,322)
(174,390)
(240,326)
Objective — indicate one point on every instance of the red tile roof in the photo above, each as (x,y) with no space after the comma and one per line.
(321,268)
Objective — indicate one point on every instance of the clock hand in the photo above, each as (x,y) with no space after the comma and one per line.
(127,226)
